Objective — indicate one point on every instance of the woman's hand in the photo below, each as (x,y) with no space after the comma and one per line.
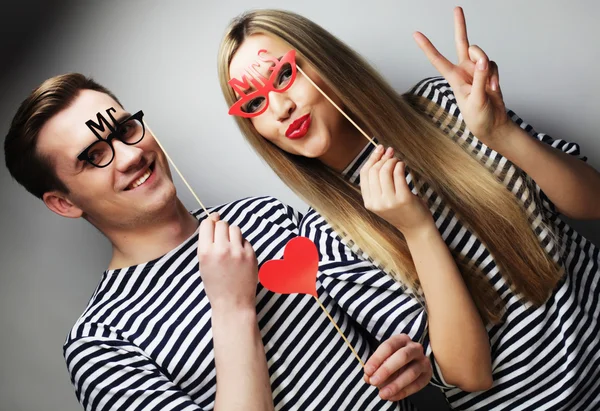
(398,367)
(386,193)
(474,80)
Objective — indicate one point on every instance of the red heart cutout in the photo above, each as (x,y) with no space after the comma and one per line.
(296,273)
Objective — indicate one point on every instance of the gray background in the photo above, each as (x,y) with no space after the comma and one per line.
(160,56)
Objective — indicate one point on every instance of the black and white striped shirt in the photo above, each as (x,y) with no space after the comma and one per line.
(543,359)
(144,341)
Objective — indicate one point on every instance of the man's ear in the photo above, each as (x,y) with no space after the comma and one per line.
(61,205)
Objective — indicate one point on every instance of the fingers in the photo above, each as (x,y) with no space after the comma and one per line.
(248,248)
(398,389)
(206,232)
(480,76)
(218,236)
(369,177)
(494,77)
(460,35)
(364,171)
(375,183)
(395,362)
(374,157)
(383,183)
(438,61)
(400,184)
(386,174)
(496,91)
(221,232)
(476,54)
(235,236)
(398,368)
(385,350)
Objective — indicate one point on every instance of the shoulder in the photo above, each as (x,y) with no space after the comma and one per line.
(313,221)
(438,91)
(432,86)
(329,242)
(241,211)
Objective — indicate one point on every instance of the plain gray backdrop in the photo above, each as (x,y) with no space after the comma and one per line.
(160,56)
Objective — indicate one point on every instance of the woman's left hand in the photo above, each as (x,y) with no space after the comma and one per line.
(475,82)
(398,367)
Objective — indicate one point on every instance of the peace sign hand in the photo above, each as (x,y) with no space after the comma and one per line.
(474,80)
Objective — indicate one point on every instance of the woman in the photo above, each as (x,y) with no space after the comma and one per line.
(516,265)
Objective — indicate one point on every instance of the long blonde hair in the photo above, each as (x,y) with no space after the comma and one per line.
(477,196)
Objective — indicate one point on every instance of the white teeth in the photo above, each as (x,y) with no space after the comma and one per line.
(141,180)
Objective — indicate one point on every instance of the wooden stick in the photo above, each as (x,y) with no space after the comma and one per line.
(372,142)
(336,106)
(341,333)
(176,169)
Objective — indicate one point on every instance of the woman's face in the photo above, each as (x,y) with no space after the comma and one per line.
(299,120)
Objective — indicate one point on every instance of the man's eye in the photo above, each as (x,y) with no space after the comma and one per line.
(124,128)
(100,153)
(127,129)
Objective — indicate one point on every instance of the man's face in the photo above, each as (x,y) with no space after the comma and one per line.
(133,189)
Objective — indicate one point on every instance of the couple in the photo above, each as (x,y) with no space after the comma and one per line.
(451,266)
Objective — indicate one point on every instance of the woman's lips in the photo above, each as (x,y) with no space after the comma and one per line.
(299,127)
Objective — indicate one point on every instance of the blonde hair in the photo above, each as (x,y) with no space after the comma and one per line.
(477,196)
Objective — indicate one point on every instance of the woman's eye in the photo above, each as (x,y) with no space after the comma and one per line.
(284,75)
(254,105)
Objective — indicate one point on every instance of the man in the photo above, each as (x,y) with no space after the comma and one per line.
(157,332)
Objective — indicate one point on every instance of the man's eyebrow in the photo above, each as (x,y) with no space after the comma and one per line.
(123,116)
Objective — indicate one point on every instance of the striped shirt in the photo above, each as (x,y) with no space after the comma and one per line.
(144,341)
(543,359)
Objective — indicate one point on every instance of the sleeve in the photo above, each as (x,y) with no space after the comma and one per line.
(116,375)
(564,146)
(438,90)
(370,297)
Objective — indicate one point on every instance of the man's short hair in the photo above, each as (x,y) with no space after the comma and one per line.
(33,171)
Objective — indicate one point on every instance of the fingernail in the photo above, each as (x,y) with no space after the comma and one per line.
(482,64)
(494,85)
(369,369)
(374,380)
(389,151)
(384,393)
(379,148)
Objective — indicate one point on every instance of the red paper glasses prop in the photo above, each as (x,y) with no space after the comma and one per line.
(254,103)
(282,77)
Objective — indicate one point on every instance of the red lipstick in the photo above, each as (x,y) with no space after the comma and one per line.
(299,127)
